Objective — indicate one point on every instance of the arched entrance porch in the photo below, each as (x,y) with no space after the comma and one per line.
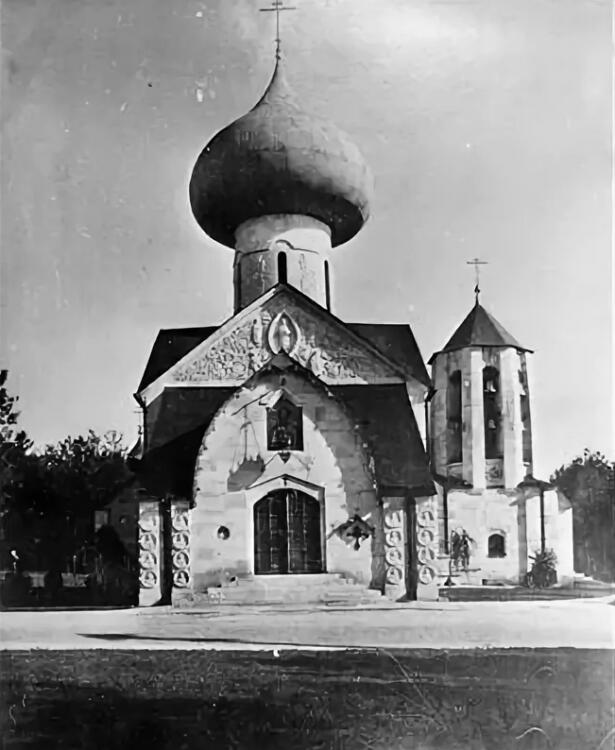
(287,533)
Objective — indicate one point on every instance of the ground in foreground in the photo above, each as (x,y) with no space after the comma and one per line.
(376,698)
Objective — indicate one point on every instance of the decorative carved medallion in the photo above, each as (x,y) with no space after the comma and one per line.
(426,555)
(394,575)
(148,579)
(393,519)
(148,560)
(427,574)
(394,556)
(426,518)
(148,541)
(394,538)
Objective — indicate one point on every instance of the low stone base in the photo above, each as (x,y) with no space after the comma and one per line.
(324,588)
(506,593)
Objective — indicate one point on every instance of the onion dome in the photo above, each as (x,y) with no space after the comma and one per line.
(277,159)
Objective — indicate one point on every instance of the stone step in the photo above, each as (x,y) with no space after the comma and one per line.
(322,588)
(512,593)
(591,583)
(305,579)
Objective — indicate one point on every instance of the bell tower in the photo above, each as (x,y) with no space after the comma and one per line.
(480,413)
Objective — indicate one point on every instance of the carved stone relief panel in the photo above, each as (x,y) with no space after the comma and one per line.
(494,472)
(284,326)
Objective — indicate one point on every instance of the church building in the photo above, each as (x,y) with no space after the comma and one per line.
(288,455)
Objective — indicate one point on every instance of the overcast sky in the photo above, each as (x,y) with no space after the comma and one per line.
(487,124)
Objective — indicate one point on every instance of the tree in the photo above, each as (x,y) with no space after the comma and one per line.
(589,483)
(85,473)
(14,447)
(65,484)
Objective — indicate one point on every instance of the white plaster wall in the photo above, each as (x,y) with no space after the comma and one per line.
(306,243)
(482,514)
(532,513)
(233,461)
(565,541)
(558,531)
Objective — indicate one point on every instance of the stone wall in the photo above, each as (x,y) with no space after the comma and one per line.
(558,531)
(306,243)
(517,519)
(482,514)
(234,470)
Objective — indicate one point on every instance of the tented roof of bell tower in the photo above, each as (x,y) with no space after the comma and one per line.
(480,328)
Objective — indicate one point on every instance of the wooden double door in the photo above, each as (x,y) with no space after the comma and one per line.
(287,534)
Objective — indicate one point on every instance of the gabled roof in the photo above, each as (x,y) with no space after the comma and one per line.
(395,343)
(480,329)
(170,346)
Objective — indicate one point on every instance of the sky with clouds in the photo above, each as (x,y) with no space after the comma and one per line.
(487,125)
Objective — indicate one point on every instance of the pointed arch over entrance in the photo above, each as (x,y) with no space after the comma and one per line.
(287,533)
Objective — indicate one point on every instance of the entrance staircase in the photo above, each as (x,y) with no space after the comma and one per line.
(320,588)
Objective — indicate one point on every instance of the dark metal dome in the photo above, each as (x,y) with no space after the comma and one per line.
(277,159)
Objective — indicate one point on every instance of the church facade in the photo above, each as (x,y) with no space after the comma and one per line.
(287,453)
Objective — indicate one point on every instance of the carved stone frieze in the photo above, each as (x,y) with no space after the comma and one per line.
(149,546)
(180,544)
(282,325)
(394,547)
(426,542)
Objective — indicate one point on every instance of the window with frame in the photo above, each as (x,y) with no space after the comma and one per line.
(496,545)
(282,268)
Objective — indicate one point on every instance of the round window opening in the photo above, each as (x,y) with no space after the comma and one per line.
(223,533)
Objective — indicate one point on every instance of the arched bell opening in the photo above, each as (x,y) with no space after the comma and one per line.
(492,413)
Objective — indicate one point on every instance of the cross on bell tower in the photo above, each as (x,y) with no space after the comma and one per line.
(476,262)
(277,7)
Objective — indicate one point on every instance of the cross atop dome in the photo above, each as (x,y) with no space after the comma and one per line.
(278,6)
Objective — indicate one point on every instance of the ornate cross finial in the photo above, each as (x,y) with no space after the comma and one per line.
(277,6)
(476,262)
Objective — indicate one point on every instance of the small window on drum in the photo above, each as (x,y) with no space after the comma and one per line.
(327,287)
(282,268)
(496,546)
